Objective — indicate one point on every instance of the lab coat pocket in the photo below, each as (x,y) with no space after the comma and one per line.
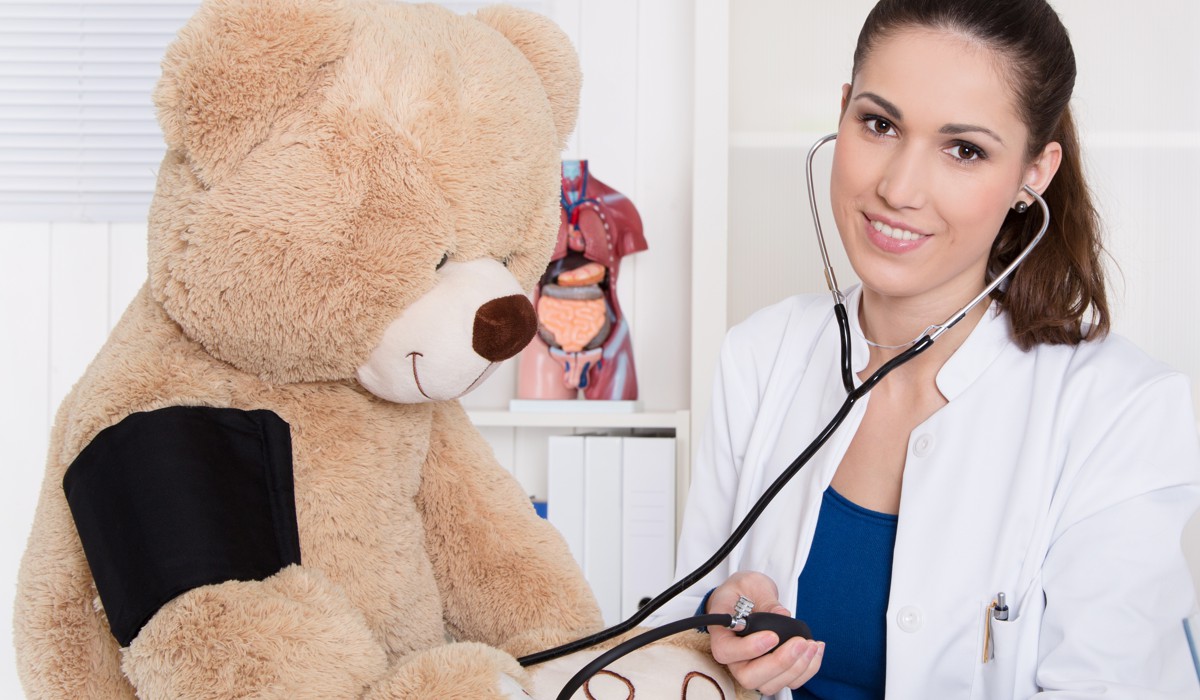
(1008,648)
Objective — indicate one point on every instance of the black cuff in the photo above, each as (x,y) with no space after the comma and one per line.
(169,500)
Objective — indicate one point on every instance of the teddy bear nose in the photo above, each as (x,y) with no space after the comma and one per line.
(503,327)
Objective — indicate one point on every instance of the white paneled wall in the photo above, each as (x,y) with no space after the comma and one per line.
(64,285)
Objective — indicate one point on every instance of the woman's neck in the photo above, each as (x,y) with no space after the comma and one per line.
(892,321)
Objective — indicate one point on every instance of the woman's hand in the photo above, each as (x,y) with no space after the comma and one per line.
(748,660)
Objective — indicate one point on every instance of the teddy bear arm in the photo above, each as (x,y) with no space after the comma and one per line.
(505,575)
(293,634)
(457,670)
(187,518)
(63,646)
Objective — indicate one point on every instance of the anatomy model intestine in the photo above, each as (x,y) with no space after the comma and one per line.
(583,341)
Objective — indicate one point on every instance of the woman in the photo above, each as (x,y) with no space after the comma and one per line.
(1026,453)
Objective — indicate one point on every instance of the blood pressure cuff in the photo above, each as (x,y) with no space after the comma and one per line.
(170,500)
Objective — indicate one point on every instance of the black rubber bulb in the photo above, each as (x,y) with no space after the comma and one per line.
(785,626)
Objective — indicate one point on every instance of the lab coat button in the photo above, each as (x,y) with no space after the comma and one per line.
(923,445)
(909,618)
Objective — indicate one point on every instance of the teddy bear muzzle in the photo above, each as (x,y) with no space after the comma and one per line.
(450,340)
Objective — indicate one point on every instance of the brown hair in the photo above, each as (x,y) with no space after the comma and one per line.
(1052,291)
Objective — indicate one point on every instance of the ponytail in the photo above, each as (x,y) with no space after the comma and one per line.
(1052,292)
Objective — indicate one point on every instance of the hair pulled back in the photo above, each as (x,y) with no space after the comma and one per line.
(1050,294)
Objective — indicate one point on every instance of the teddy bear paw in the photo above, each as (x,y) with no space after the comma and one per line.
(510,688)
(659,671)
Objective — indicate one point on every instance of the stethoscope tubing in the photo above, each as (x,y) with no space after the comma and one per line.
(629,645)
(723,551)
(751,516)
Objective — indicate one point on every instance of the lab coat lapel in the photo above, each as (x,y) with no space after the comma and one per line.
(785,530)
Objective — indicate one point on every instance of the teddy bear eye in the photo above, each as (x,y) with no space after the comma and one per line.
(445,259)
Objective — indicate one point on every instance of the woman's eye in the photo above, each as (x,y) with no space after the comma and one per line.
(879,126)
(967,152)
(445,259)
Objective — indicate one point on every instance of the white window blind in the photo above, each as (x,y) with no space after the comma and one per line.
(78,136)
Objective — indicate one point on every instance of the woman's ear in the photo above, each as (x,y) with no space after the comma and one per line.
(1042,168)
(845,100)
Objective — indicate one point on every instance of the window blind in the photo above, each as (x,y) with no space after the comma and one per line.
(78,136)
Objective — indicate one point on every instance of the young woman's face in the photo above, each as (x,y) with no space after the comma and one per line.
(930,156)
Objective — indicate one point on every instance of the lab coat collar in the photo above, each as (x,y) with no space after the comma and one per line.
(986,341)
(860,352)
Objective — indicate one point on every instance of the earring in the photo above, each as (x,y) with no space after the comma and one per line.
(1021,207)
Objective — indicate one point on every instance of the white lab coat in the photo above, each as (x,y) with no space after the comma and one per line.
(1062,476)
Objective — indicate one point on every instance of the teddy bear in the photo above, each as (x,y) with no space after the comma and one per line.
(264,485)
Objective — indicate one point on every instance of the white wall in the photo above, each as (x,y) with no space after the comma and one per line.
(63,286)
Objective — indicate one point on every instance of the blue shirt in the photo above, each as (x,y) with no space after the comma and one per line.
(843,597)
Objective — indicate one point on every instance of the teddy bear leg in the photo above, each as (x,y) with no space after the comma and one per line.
(677,667)
(292,635)
(458,671)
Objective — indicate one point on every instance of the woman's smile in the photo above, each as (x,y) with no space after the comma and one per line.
(891,236)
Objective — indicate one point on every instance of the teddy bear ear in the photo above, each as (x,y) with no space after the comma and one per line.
(547,47)
(234,66)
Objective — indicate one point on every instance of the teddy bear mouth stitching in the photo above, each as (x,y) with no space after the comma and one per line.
(417,377)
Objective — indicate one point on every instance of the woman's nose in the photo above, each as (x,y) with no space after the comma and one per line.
(904,181)
(503,327)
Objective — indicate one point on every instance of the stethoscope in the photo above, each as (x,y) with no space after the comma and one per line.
(743,621)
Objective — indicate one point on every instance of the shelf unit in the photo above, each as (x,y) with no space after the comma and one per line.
(678,422)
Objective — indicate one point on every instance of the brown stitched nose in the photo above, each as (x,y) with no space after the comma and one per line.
(503,327)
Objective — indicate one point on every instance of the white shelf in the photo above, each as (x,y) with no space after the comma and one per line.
(676,420)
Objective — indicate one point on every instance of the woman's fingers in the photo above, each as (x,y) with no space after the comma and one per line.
(728,648)
(789,666)
(760,589)
(750,659)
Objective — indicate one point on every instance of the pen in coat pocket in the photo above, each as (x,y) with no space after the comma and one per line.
(998,610)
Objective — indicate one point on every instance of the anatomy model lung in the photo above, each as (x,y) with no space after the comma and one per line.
(583,341)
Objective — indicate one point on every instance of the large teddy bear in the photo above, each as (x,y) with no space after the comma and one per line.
(263,486)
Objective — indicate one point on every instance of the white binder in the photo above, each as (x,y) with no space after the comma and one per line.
(648,519)
(602,522)
(564,491)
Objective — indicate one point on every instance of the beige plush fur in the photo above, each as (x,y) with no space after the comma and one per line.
(324,156)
